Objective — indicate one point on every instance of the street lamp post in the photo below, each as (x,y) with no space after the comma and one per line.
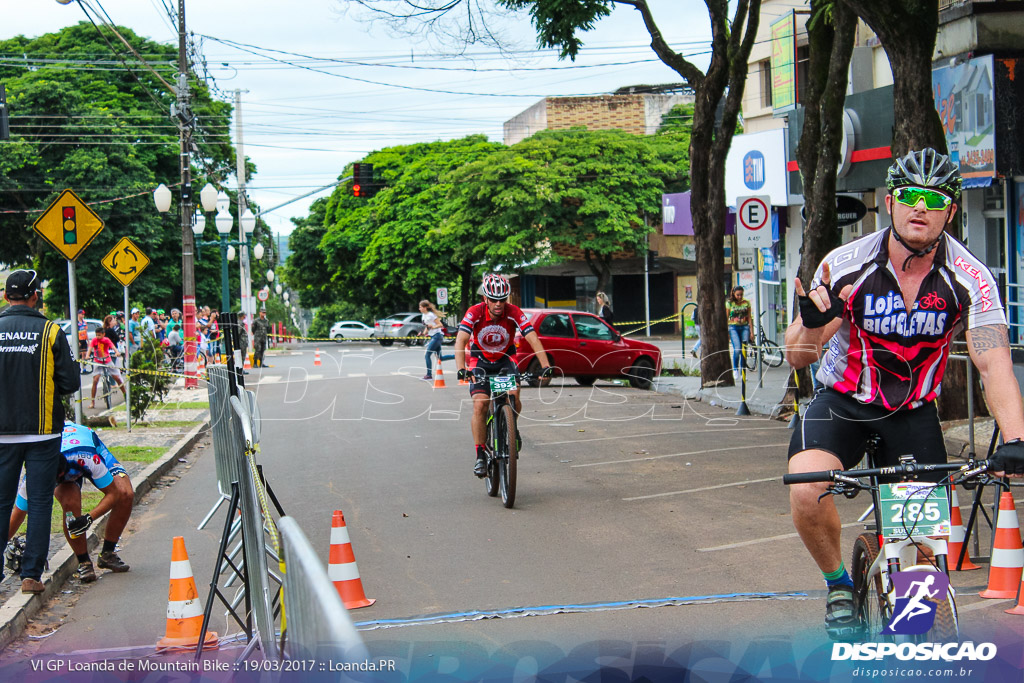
(224,222)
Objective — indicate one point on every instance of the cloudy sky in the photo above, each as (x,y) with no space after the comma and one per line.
(322,86)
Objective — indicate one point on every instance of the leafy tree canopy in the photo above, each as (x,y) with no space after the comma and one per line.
(104,131)
(470,201)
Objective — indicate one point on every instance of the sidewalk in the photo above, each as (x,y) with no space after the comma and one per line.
(762,394)
(17,608)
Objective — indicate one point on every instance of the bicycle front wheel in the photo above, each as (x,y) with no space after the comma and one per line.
(772,354)
(508,455)
(491,481)
(869,600)
(108,389)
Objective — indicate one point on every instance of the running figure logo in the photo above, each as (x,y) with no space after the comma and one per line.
(916,597)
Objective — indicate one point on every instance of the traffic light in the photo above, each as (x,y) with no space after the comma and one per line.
(70,225)
(362,181)
(5,128)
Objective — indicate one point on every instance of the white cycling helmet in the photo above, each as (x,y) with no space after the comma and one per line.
(496,287)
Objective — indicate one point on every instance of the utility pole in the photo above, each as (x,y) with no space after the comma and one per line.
(183,113)
(247,304)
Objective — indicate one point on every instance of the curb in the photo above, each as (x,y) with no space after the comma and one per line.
(21,607)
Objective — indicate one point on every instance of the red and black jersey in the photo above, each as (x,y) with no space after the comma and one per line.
(493,338)
(885,354)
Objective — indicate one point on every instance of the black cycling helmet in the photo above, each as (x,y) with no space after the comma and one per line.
(924,168)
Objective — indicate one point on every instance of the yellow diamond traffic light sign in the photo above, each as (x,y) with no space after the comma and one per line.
(69,225)
(125,261)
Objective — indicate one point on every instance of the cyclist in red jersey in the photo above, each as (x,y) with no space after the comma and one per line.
(889,305)
(489,329)
(103,351)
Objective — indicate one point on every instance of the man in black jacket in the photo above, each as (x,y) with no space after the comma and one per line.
(36,369)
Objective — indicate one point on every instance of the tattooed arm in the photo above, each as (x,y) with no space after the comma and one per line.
(989,347)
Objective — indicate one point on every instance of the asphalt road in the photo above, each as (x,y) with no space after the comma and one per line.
(628,502)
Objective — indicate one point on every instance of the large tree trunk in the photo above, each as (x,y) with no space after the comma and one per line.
(907,31)
(831,46)
(709,146)
(601,266)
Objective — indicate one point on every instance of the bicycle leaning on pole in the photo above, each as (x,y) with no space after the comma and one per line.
(764,349)
(909,515)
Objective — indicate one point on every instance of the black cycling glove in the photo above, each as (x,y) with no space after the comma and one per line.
(79,525)
(1008,458)
(462,374)
(812,318)
(547,372)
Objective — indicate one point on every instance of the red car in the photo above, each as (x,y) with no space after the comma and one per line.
(583,346)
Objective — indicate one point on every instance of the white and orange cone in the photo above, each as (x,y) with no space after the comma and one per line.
(956,538)
(184,609)
(1004,573)
(341,566)
(439,377)
(316,358)
(247,363)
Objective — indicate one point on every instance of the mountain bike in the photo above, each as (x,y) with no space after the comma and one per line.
(908,513)
(764,348)
(108,386)
(501,445)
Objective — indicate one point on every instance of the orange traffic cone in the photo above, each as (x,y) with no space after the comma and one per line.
(439,378)
(316,358)
(247,363)
(184,609)
(956,538)
(341,566)
(1007,563)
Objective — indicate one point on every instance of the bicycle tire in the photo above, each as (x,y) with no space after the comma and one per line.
(107,390)
(750,356)
(771,353)
(491,483)
(870,604)
(508,455)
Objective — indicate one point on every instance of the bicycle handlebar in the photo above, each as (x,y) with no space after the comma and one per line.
(908,469)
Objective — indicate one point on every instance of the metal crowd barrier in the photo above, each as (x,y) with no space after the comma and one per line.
(257,572)
(319,627)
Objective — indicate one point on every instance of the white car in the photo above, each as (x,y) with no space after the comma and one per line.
(92,324)
(350,329)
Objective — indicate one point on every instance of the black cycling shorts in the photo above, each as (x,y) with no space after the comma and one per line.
(841,425)
(505,366)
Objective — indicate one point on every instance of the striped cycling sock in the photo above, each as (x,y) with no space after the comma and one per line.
(839,577)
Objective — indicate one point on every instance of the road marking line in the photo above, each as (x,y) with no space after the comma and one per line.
(357,374)
(981,605)
(647,434)
(769,539)
(678,455)
(313,378)
(705,488)
(269,379)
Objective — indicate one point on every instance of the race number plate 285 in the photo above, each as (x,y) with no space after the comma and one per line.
(913,508)
(502,384)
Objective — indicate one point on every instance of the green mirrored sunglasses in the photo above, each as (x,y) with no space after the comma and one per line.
(933,200)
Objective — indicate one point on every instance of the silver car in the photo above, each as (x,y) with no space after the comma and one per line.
(404,327)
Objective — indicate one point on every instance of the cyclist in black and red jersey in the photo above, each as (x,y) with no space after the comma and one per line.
(889,305)
(489,329)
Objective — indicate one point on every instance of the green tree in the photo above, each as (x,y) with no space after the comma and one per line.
(718,94)
(572,188)
(105,133)
(387,253)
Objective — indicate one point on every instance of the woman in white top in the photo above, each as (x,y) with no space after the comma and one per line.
(434,329)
